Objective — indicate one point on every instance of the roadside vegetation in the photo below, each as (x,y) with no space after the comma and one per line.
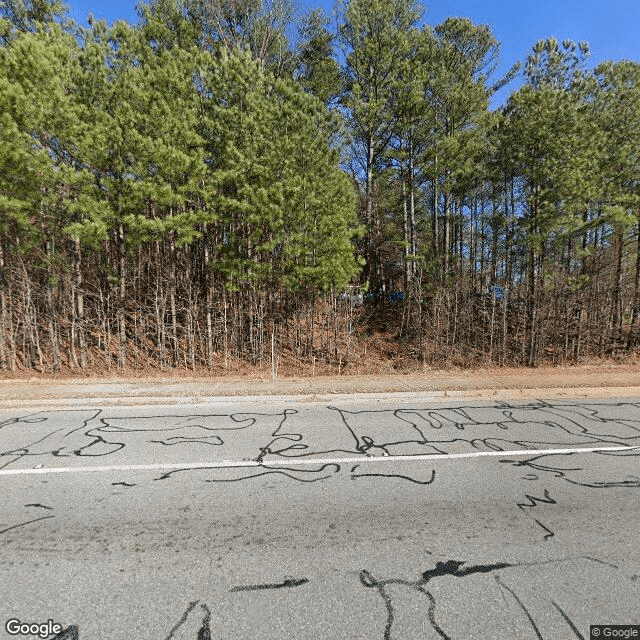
(225,183)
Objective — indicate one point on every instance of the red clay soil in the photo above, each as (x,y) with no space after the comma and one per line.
(600,374)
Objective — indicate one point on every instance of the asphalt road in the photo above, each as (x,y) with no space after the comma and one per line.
(369,517)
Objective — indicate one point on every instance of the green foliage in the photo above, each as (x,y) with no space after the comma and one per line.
(256,26)
(458,59)
(35,103)
(286,211)
(166,24)
(616,106)
(318,71)
(551,142)
(189,128)
(121,132)
(20,16)
(377,35)
(556,66)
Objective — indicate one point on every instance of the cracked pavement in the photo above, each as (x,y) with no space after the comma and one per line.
(391,516)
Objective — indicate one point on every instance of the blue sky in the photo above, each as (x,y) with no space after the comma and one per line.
(611,28)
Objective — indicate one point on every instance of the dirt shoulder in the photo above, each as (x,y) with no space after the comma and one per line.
(609,380)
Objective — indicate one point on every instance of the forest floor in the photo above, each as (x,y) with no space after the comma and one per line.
(377,362)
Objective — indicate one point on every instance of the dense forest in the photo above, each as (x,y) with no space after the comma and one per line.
(226,182)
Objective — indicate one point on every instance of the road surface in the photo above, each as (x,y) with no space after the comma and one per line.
(366,517)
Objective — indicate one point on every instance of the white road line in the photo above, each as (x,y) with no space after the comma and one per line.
(225,464)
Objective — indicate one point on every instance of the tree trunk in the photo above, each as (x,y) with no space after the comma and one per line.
(122,293)
(447,234)
(52,313)
(80,308)
(172,304)
(207,280)
(406,269)
(635,314)
(436,239)
(369,208)
(412,212)
(617,291)
(4,312)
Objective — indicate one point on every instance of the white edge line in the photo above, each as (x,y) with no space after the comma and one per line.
(308,461)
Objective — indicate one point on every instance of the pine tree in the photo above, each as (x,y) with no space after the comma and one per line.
(550,143)
(286,210)
(617,108)
(375,37)
(24,16)
(318,71)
